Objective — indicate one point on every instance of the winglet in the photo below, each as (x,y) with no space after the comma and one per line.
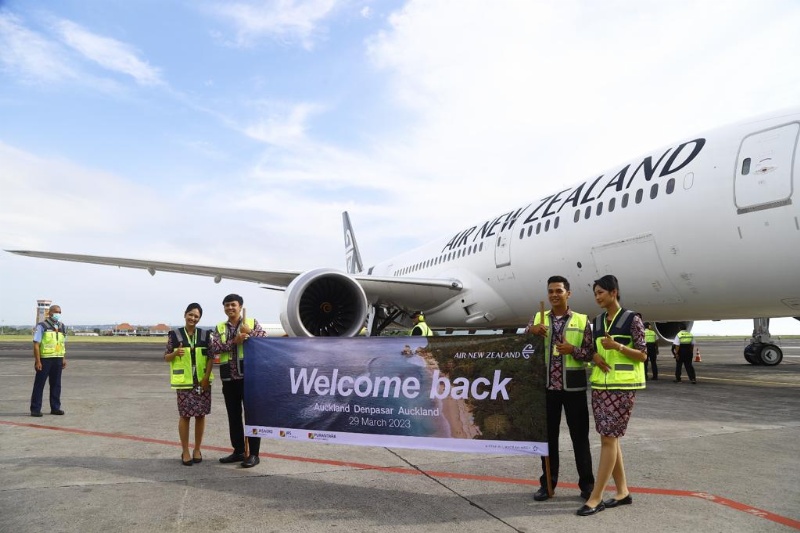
(351,253)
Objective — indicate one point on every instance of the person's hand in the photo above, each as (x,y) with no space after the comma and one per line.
(539,329)
(37,364)
(205,384)
(63,363)
(179,350)
(565,348)
(609,343)
(598,360)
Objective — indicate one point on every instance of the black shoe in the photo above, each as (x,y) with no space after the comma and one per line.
(694,382)
(232,458)
(585,494)
(56,412)
(251,461)
(541,494)
(198,459)
(36,413)
(678,380)
(612,502)
(186,463)
(586,510)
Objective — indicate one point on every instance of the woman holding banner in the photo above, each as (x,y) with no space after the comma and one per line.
(190,376)
(618,372)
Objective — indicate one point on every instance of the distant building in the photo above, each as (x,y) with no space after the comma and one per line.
(123,330)
(159,330)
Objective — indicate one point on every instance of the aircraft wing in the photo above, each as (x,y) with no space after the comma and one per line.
(409,293)
(406,293)
(277,279)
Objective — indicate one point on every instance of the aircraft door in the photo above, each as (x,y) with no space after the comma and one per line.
(764,169)
(502,249)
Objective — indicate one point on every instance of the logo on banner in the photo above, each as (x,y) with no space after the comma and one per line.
(527,351)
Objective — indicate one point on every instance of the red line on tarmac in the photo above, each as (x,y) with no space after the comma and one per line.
(766,515)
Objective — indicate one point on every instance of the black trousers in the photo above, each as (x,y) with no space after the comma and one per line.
(577,413)
(652,358)
(51,371)
(233,391)
(685,360)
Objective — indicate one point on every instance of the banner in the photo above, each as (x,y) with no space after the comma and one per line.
(455,393)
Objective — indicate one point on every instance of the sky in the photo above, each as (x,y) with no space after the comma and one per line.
(235,133)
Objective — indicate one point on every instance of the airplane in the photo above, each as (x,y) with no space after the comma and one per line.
(707,228)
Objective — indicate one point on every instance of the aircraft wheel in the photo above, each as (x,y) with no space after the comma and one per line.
(771,355)
(751,354)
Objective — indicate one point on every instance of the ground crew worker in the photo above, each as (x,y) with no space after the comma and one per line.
(683,349)
(191,377)
(651,339)
(568,344)
(227,342)
(50,359)
(617,373)
(420,326)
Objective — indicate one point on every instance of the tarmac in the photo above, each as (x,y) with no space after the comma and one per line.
(721,455)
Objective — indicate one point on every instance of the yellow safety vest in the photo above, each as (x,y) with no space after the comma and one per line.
(52,343)
(426,330)
(650,336)
(224,357)
(186,372)
(625,374)
(574,370)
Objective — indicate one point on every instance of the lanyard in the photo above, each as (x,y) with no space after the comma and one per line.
(606,325)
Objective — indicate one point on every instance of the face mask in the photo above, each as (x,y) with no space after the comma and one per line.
(56,317)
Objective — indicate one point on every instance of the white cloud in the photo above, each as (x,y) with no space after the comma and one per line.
(29,55)
(283,20)
(108,53)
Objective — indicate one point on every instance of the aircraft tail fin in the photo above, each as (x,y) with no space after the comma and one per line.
(352,254)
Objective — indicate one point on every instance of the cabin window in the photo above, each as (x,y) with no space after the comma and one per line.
(611,204)
(577,215)
(746,166)
(625,200)
(639,195)
(588,212)
(599,209)
(670,185)
(654,191)
(480,249)
(538,227)
(555,223)
(547,225)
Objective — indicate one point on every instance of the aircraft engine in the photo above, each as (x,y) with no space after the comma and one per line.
(669,330)
(324,303)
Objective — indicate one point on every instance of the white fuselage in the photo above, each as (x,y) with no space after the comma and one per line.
(703,229)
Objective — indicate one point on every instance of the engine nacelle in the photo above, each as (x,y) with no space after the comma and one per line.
(669,330)
(324,303)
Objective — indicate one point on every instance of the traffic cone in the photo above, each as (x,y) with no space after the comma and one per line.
(697,358)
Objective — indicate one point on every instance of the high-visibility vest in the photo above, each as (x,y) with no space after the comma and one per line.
(224,357)
(52,343)
(186,372)
(425,330)
(650,336)
(574,370)
(685,338)
(625,374)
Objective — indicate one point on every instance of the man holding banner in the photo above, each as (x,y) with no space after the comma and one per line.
(227,342)
(568,344)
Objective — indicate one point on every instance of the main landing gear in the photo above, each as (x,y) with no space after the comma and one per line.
(761,351)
